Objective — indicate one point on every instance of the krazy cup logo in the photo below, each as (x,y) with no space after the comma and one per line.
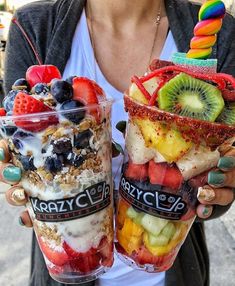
(156,203)
(91,200)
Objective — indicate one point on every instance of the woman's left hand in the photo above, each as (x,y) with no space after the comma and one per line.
(221,186)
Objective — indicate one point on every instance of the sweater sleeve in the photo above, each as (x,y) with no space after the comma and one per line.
(19,55)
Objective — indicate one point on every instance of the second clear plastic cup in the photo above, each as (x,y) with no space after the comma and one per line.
(166,161)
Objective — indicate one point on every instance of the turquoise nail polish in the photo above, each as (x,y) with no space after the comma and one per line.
(216,178)
(2,154)
(206,211)
(226,163)
(21,221)
(12,174)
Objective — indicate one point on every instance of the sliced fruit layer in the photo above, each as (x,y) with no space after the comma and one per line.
(211,134)
(190,97)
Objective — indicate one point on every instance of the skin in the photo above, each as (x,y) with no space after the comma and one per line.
(118,29)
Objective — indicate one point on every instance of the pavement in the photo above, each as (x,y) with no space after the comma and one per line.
(15,247)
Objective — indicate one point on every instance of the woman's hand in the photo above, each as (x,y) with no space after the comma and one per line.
(221,183)
(11,175)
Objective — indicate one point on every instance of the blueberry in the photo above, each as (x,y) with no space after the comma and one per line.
(75,116)
(53,164)
(27,163)
(70,79)
(21,84)
(40,88)
(81,140)
(19,137)
(8,101)
(8,130)
(61,90)
(75,159)
(62,145)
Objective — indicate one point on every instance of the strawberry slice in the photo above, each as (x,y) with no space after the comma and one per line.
(86,91)
(26,104)
(137,172)
(58,258)
(165,175)
(85,263)
(105,249)
(42,74)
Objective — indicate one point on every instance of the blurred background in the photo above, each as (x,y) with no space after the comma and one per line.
(15,240)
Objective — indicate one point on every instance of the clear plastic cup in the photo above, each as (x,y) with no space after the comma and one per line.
(167,159)
(65,159)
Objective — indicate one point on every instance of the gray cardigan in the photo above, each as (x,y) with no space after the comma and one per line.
(50,26)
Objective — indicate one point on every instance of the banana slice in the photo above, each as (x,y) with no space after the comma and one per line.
(197,160)
(135,145)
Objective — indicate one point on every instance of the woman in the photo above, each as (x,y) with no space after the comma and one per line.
(109,41)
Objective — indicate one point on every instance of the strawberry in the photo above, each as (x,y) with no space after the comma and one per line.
(165,175)
(55,270)
(137,172)
(85,263)
(58,258)
(86,92)
(2,111)
(42,74)
(105,249)
(26,104)
(82,261)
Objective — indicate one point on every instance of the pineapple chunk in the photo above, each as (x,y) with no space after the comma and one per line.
(150,85)
(136,94)
(168,142)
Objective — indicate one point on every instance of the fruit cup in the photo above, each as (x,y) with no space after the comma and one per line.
(179,122)
(59,136)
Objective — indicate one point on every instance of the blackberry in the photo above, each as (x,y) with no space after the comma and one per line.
(81,140)
(75,159)
(27,163)
(62,145)
(53,164)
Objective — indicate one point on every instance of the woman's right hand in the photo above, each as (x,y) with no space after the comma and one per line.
(11,175)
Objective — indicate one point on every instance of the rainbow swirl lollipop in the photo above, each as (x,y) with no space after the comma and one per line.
(210,17)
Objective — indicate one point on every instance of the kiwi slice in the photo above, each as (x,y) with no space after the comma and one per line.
(187,96)
(227,116)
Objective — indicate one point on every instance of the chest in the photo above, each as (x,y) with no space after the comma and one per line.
(121,56)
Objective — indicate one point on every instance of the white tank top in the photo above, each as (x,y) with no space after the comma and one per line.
(82,63)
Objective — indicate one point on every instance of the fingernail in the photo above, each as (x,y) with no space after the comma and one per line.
(21,221)
(2,154)
(207,211)
(216,178)
(18,195)
(226,163)
(12,174)
(206,193)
